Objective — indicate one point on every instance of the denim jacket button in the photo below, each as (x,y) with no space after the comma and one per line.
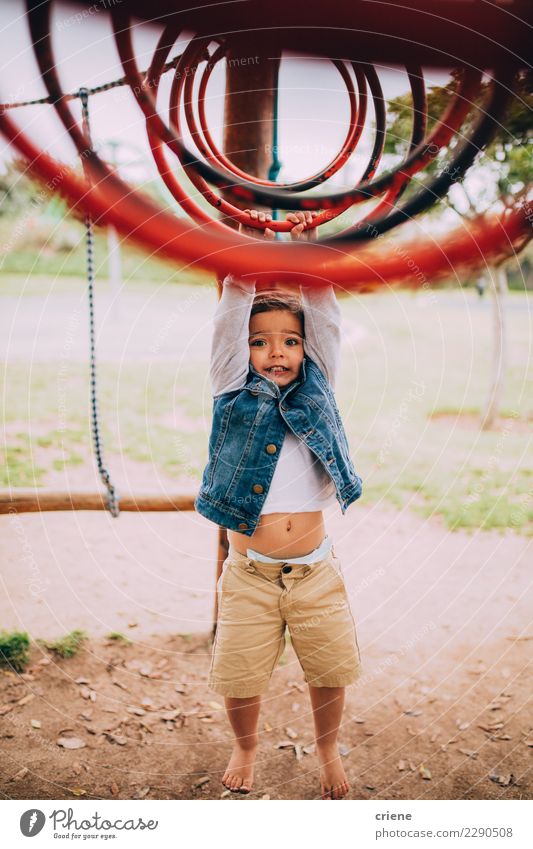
(271,448)
(257,488)
(243,526)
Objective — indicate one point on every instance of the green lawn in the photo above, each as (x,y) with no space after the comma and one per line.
(409,364)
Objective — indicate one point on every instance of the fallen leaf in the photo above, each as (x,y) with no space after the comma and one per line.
(118,683)
(119,739)
(180,688)
(295,707)
(146,671)
(284,744)
(136,711)
(503,780)
(359,720)
(291,733)
(140,794)
(462,726)
(22,773)
(26,699)
(309,750)
(82,680)
(265,796)
(267,726)
(115,790)
(298,751)
(215,705)
(370,787)
(86,714)
(71,742)
(35,723)
(225,794)
(170,716)
(5,709)
(413,712)
(344,750)
(424,772)
(76,768)
(77,791)
(85,692)
(201,782)
(470,753)
(402,765)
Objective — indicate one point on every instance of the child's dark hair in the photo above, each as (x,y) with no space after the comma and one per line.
(269,301)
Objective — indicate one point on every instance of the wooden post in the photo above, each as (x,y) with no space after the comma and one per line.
(248,111)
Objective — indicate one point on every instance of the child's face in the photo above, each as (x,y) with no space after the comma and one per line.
(276,345)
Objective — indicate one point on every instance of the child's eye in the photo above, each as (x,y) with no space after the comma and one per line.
(292,342)
(257,342)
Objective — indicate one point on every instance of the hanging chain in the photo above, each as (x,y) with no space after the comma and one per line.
(121,81)
(112,495)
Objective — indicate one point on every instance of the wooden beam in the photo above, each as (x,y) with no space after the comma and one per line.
(45,500)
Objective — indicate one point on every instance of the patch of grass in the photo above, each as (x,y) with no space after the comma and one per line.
(119,637)
(67,646)
(14,650)
(69,460)
(17,466)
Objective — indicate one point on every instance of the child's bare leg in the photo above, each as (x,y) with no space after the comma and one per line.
(243,715)
(328,704)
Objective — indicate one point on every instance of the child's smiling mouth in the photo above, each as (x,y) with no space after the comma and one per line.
(276,369)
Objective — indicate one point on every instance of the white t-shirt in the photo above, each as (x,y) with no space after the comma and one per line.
(300,483)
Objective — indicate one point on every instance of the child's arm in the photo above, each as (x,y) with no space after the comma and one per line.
(322,320)
(322,315)
(230,351)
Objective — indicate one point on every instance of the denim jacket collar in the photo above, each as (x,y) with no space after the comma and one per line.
(261,382)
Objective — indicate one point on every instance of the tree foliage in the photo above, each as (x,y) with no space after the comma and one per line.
(502,170)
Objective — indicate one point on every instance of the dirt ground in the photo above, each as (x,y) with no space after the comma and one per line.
(441,710)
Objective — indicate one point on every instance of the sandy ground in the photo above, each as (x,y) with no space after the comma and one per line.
(444,628)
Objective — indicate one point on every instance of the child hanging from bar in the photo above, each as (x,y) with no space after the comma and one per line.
(278,457)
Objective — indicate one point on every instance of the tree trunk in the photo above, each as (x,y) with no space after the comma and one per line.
(498,285)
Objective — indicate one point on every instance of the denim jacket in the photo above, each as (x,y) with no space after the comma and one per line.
(248,428)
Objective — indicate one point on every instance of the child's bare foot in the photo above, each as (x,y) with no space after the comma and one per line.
(333,781)
(239,775)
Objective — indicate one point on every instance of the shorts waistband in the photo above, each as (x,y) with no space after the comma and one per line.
(314,556)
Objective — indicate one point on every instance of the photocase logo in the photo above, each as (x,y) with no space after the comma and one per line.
(32,822)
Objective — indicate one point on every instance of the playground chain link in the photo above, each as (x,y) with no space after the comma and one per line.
(112,494)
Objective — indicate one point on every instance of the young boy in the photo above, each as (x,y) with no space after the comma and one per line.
(278,456)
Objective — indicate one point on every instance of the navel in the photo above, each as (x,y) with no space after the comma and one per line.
(289,524)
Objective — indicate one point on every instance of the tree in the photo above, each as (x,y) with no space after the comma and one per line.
(501,175)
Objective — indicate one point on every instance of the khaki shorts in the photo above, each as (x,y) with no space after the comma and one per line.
(257,600)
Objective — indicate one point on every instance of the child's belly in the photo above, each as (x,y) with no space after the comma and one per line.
(283,534)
